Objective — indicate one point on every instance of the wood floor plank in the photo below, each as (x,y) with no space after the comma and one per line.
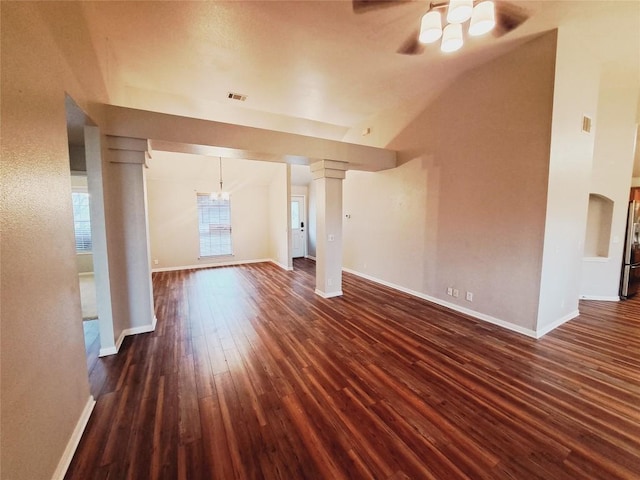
(250,375)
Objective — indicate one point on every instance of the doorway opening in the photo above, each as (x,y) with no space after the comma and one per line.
(85,168)
(298,230)
(302,212)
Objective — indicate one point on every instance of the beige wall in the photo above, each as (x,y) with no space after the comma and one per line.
(466,209)
(42,399)
(125,200)
(384,235)
(172,183)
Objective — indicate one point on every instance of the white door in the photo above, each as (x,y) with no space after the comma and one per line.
(298,235)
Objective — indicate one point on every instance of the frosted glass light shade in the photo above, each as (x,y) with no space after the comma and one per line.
(459,11)
(483,19)
(451,38)
(219,196)
(430,27)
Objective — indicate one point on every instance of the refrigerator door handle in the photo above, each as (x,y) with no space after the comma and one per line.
(628,244)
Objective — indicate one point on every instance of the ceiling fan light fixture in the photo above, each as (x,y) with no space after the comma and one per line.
(459,11)
(483,19)
(430,27)
(451,38)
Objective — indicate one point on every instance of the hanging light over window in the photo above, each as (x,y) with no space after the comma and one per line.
(459,11)
(483,19)
(451,38)
(220,194)
(431,27)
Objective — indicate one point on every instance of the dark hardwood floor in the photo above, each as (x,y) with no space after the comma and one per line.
(249,374)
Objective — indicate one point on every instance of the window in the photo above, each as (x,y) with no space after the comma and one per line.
(82,221)
(214,226)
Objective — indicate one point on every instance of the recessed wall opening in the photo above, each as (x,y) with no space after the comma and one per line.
(599,220)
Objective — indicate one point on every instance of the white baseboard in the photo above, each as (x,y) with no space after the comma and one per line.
(210,265)
(552,326)
(73,442)
(125,333)
(105,352)
(282,266)
(330,294)
(480,316)
(600,298)
(310,257)
(86,274)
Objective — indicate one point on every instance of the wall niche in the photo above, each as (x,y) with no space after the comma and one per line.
(599,220)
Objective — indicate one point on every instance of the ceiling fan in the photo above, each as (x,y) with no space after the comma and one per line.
(508,17)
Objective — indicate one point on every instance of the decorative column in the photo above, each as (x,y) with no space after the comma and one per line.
(327,178)
(129,252)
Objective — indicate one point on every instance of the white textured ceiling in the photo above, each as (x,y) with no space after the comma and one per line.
(310,67)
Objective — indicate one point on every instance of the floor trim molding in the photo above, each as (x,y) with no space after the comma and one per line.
(281,265)
(552,326)
(600,298)
(105,352)
(74,441)
(209,265)
(328,295)
(472,313)
(125,333)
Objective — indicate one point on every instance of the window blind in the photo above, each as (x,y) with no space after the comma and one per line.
(214,226)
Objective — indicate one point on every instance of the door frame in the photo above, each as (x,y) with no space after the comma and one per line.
(306,224)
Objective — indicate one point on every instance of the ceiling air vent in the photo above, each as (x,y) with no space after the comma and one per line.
(236,96)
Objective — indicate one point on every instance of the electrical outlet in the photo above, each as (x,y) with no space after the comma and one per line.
(456,292)
(332,238)
(469,297)
(330,282)
(449,290)
(155,261)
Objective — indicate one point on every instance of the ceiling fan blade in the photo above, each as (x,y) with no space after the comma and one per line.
(411,46)
(363,6)
(508,18)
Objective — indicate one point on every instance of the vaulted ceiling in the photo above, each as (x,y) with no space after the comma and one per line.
(311,67)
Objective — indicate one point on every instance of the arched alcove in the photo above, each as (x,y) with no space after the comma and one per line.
(598,233)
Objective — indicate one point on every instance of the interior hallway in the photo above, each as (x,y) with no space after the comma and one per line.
(249,374)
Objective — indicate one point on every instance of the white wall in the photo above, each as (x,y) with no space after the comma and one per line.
(576,83)
(611,176)
(172,183)
(279,217)
(466,207)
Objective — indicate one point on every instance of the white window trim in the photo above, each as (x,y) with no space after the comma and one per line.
(220,255)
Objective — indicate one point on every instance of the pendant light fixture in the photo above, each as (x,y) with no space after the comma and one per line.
(482,17)
(451,38)
(220,195)
(431,27)
(459,11)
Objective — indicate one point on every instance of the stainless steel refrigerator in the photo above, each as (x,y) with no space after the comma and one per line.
(630,280)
